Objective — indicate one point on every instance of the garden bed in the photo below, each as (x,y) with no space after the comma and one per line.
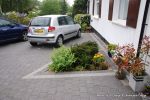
(79,57)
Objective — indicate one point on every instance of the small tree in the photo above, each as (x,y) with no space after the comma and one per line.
(53,7)
(63,7)
(79,7)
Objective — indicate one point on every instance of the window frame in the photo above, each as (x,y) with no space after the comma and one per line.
(116,11)
(67,18)
(123,12)
(64,21)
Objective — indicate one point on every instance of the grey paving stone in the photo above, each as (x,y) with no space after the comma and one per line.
(19,59)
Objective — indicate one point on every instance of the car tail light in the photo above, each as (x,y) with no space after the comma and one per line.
(50,29)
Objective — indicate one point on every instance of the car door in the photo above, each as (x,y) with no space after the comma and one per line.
(63,27)
(71,26)
(9,30)
(4,30)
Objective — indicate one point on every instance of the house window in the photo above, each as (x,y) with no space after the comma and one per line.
(97,5)
(123,9)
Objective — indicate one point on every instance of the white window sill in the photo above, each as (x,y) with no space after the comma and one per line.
(120,22)
(95,17)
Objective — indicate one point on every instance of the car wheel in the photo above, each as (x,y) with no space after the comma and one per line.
(24,36)
(59,41)
(33,43)
(78,34)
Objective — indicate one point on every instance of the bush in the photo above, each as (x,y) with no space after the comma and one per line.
(84,53)
(24,19)
(62,59)
(112,47)
(83,20)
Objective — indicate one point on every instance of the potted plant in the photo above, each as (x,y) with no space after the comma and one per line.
(137,75)
(111,50)
(120,73)
(134,67)
(123,57)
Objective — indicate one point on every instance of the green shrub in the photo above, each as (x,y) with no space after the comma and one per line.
(62,59)
(84,53)
(83,20)
(15,17)
(112,47)
(84,26)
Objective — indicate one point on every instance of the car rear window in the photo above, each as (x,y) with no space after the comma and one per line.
(41,21)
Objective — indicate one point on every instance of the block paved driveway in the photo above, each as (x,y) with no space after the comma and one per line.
(19,59)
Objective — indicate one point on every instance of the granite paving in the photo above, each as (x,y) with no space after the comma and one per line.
(18,59)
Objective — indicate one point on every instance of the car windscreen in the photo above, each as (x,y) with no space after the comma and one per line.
(41,21)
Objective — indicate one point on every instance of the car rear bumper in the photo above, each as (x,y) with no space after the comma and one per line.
(42,39)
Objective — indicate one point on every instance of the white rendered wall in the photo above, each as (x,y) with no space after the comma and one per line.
(115,33)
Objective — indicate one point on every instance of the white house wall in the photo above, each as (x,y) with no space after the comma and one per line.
(116,33)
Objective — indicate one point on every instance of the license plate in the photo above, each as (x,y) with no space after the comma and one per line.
(39,31)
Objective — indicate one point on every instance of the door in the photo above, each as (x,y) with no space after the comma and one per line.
(8,30)
(5,33)
(71,26)
(63,27)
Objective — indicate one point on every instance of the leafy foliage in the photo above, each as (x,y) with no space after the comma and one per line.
(137,67)
(83,20)
(79,7)
(15,17)
(99,62)
(98,58)
(84,53)
(112,47)
(53,7)
(62,59)
(18,5)
(126,59)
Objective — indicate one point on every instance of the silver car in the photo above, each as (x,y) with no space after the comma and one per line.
(52,29)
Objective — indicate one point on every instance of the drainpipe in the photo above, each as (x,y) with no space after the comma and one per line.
(143,27)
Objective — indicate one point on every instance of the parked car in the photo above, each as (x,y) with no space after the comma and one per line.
(52,29)
(10,30)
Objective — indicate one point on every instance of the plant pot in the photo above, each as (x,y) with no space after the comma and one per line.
(109,54)
(137,83)
(120,75)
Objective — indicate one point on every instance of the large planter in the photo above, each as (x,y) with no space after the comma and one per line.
(137,83)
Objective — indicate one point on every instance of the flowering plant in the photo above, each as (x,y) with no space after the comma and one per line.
(125,56)
(98,58)
(126,59)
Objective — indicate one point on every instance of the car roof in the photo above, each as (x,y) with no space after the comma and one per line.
(53,16)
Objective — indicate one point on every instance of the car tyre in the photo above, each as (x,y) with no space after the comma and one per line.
(33,43)
(59,41)
(24,36)
(78,34)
